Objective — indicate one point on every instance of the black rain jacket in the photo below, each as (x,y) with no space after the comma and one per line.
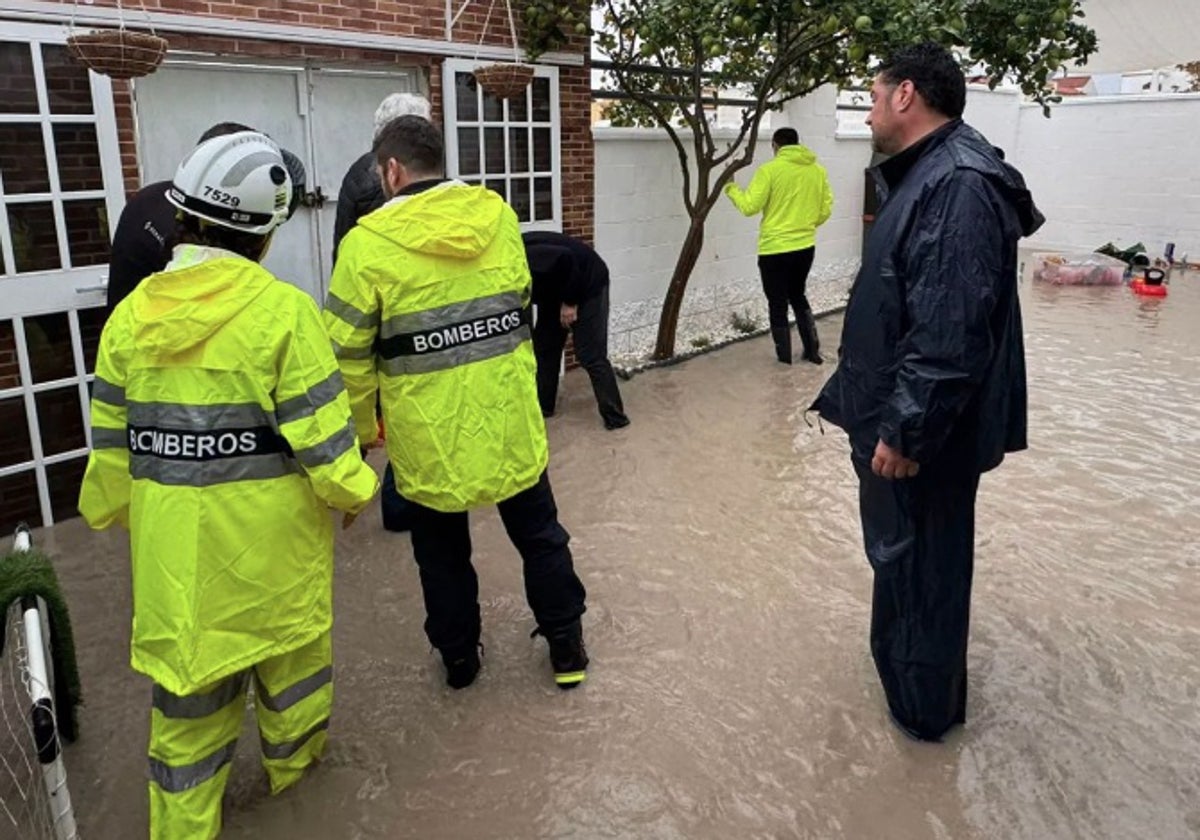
(932,359)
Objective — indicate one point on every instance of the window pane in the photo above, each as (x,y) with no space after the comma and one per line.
(23,159)
(518,107)
(67,83)
(48,338)
(541,99)
(15,446)
(87,231)
(10,375)
(518,150)
(91,322)
(467,97)
(493,108)
(34,236)
(543,199)
(519,199)
(468,151)
(498,186)
(493,149)
(64,480)
(541,150)
(78,156)
(19,501)
(18,93)
(60,418)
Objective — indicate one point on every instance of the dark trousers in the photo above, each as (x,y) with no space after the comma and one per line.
(591,349)
(919,535)
(784,280)
(397,515)
(442,547)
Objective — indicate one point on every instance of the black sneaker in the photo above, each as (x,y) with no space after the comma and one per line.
(568,656)
(462,666)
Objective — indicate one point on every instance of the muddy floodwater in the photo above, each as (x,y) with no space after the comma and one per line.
(732,694)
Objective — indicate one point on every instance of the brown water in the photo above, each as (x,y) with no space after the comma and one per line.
(732,694)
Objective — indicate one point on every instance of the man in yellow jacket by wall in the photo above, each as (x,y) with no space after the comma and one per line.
(429,308)
(221,435)
(792,192)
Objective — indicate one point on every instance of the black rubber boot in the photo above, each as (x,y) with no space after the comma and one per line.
(807,326)
(783,344)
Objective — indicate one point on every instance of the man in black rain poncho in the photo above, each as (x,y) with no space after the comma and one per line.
(930,384)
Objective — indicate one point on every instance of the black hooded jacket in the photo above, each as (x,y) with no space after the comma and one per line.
(932,359)
(564,270)
(360,194)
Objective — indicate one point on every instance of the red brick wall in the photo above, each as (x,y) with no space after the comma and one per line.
(421,18)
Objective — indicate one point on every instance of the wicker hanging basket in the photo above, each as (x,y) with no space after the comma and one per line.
(504,81)
(118,53)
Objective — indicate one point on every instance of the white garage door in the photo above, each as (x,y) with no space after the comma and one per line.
(323,115)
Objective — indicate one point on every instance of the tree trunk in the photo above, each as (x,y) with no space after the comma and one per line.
(689,255)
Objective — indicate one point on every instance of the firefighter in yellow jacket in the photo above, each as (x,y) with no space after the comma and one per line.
(792,192)
(429,306)
(221,436)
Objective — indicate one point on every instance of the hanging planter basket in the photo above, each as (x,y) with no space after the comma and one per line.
(504,81)
(118,53)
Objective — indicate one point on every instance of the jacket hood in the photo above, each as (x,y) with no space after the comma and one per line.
(800,155)
(451,220)
(972,151)
(178,309)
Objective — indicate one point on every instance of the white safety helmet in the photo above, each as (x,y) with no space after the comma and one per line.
(238,181)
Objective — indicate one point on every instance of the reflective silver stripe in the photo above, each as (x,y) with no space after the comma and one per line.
(195,706)
(290,748)
(107,392)
(330,449)
(109,438)
(454,313)
(178,779)
(208,473)
(295,692)
(199,417)
(352,352)
(238,172)
(452,357)
(350,313)
(315,398)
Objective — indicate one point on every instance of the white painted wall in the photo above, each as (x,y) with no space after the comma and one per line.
(994,115)
(1121,169)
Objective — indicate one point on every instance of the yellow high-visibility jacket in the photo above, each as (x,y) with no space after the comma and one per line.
(221,435)
(792,192)
(428,307)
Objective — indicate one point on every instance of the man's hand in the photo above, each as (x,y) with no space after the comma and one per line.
(890,464)
(348,520)
(568,316)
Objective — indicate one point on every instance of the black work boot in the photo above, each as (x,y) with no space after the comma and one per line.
(462,665)
(807,325)
(783,344)
(568,656)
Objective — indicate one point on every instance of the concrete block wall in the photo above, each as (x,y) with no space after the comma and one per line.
(1121,169)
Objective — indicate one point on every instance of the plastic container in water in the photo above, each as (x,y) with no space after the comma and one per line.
(1078,269)
(1150,284)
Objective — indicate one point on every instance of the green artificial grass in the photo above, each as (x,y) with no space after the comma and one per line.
(27,573)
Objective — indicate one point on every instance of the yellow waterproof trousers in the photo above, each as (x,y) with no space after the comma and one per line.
(192,738)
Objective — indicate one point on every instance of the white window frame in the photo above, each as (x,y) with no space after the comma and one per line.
(451,124)
(31,299)
(67,289)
